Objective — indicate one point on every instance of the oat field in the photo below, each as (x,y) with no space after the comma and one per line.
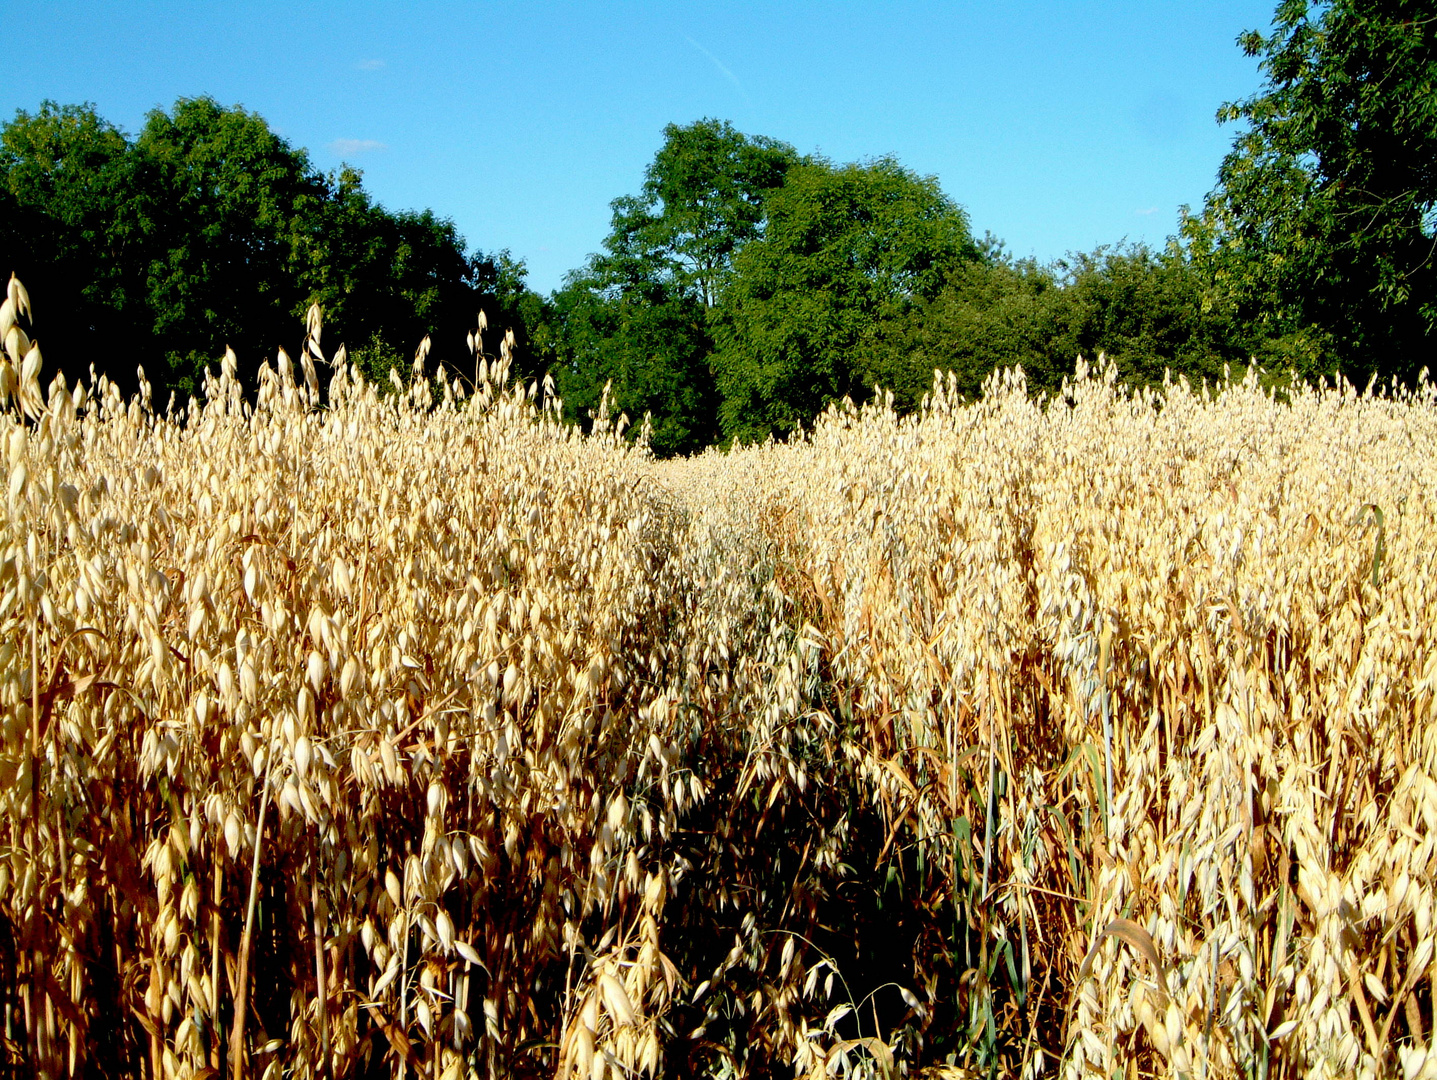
(351,732)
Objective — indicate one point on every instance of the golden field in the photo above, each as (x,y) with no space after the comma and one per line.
(348,733)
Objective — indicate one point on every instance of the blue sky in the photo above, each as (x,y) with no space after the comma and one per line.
(1058,126)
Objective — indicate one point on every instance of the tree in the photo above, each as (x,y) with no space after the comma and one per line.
(509,304)
(209,230)
(234,216)
(702,200)
(821,304)
(1323,226)
(651,345)
(1147,311)
(386,280)
(993,312)
(638,314)
(70,227)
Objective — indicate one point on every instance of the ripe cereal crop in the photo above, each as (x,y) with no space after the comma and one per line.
(355,730)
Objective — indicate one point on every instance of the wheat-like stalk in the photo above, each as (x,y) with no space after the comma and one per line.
(419,730)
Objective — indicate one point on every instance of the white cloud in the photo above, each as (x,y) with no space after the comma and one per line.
(348,147)
(369,65)
(1145,213)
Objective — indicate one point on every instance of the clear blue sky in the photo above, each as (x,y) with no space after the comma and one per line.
(1058,126)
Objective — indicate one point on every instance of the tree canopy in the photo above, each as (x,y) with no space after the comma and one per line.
(71,226)
(1144,310)
(745,286)
(208,230)
(702,201)
(846,253)
(638,315)
(1323,225)
(233,241)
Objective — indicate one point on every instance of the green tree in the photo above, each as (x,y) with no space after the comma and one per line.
(1323,226)
(70,227)
(1148,311)
(822,304)
(637,314)
(234,217)
(651,346)
(208,229)
(387,279)
(993,312)
(702,200)
(509,304)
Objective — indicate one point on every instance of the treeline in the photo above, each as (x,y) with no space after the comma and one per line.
(746,285)
(207,230)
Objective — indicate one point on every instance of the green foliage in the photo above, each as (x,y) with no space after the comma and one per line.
(510,305)
(1324,222)
(209,230)
(231,216)
(375,359)
(637,315)
(651,346)
(72,228)
(702,201)
(391,278)
(993,313)
(1147,311)
(822,302)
